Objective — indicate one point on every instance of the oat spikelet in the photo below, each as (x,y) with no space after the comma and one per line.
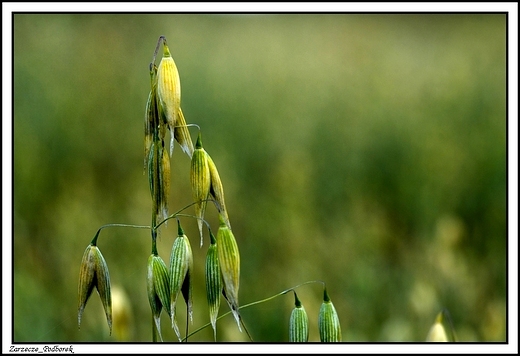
(169,90)
(216,191)
(151,115)
(181,267)
(229,260)
(158,289)
(94,274)
(200,182)
(298,323)
(213,283)
(328,321)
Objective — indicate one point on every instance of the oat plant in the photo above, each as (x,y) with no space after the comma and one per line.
(167,283)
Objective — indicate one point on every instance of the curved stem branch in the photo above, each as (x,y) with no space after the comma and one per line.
(255,303)
(178,213)
(94,240)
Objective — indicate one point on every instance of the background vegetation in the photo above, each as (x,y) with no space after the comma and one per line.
(367,151)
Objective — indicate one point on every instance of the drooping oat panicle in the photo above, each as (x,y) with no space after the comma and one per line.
(200,182)
(182,134)
(328,321)
(158,289)
(169,90)
(94,274)
(213,282)
(229,260)
(181,267)
(216,190)
(442,329)
(298,323)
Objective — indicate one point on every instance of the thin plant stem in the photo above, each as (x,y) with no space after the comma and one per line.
(178,213)
(94,240)
(255,303)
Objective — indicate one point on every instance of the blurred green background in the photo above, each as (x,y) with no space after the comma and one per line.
(366,151)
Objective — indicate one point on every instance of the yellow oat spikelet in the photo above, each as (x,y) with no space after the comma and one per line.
(200,182)
(442,329)
(216,191)
(437,333)
(229,260)
(169,90)
(123,324)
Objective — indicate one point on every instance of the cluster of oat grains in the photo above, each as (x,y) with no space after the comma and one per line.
(166,284)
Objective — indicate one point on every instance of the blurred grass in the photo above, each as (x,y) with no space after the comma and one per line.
(367,151)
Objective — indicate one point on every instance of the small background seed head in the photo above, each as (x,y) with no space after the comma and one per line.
(122,315)
(442,328)
(437,333)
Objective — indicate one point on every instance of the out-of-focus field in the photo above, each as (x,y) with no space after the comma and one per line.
(366,151)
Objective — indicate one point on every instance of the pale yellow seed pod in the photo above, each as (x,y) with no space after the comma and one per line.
(442,329)
(122,316)
(437,333)
(200,182)
(169,88)
(216,190)
(229,260)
